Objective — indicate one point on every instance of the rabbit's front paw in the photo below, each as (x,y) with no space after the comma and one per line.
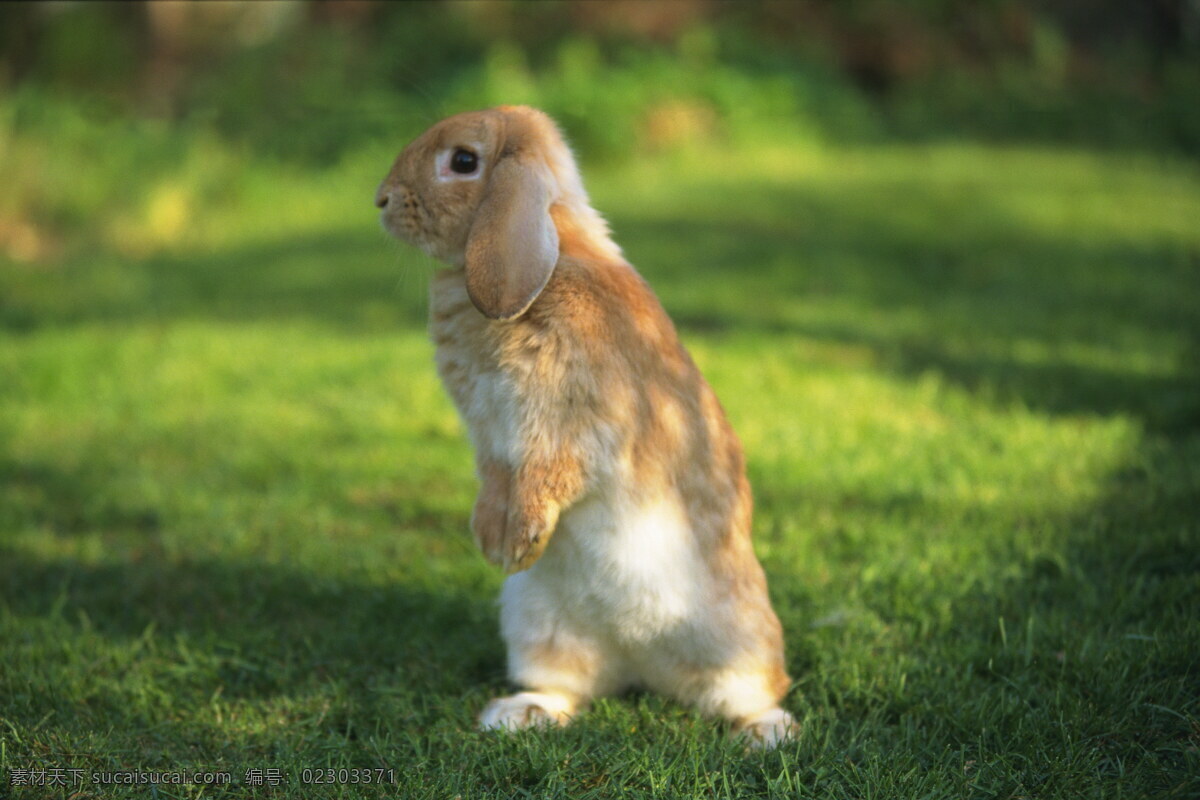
(489,519)
(488,523)
(526,710)
(529,532)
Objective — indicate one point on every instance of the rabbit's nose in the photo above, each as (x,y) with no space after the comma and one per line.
(381,198)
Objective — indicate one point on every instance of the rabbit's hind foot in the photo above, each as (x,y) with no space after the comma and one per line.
(527,710)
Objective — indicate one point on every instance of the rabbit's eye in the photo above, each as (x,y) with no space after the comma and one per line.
(464,162)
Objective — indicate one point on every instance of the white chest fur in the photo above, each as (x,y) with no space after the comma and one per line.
(486,398)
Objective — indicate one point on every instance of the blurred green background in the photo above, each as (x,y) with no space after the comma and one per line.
(121,119)
(940,261)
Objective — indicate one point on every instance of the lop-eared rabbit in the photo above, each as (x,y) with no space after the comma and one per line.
(613,490)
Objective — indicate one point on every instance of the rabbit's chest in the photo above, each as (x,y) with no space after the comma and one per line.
(485,395)
(486,399)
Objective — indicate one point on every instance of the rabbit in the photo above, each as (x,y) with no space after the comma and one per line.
(613,490)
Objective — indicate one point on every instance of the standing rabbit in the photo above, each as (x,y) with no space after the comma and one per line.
(613,489)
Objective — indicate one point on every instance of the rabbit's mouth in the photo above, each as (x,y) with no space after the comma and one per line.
(400,214)
(401,227)
(408,228)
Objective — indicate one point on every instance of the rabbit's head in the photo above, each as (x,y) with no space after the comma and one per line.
(496,192)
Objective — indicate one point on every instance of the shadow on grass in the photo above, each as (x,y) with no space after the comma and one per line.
(270,612)
(347,281)
(1101,640)
(995,308)
(153,639)
(285,626)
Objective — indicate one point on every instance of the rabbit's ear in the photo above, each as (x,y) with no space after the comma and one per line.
(513,245)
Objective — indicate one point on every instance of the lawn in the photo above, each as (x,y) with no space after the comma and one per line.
(234,500)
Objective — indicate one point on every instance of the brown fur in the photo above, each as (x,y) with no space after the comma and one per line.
(575,386)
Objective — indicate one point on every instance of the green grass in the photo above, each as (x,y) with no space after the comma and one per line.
(234,500)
